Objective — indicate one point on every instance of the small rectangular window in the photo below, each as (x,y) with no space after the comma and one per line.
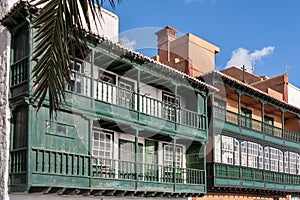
(58,128)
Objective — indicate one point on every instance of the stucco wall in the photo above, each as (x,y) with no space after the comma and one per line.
(4,112)
(293,95)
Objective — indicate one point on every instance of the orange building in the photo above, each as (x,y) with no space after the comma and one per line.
(253,149)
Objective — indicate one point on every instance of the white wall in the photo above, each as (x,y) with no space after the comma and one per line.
(108,27)
(293,95)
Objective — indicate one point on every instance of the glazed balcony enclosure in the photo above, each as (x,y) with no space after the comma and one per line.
(255,140)
(129,126)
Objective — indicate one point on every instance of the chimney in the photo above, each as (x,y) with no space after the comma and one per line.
(164,37)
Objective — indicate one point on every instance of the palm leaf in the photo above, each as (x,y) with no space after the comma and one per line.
(59,36)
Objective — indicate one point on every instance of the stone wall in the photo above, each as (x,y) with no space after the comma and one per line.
(4,114)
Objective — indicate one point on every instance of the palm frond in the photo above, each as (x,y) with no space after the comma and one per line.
(59,37)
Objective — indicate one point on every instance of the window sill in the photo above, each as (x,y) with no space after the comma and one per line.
(63,136)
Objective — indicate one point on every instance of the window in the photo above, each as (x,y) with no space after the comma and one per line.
(227,150)
(61,129)
(169,106)
(151,152)
(260,157)
(105,88)
(20,117)
(267,158)
(298,164)
(286,162)
(75,69)
(219,109)
(269,125)
(217,149)
(168,155)
(273,159)
(102,146)
(244,157)
(219,103)
(252,154)
(293,162)
(246,118)
(280,159)
(125,94)
(20,44)
(236,152)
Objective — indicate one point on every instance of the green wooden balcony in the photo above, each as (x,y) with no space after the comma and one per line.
(128,99)
(244,177)
(258,128)
(63,171)
(19,77)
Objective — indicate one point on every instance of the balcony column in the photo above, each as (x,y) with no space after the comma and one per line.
(93,95)
(282,121)
(174,161)
(239,106)
(90,149)
(136,150)
(176,103)
(138,93)
(202,110)
(262,115)
(203,152)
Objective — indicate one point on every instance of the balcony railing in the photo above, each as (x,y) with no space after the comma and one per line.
(18,161)
(253,124)
(84,167)
(244,173)
(113,94)
(109,168)
(19,72)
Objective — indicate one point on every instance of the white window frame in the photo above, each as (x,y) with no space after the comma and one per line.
(298,164)
(286,162)
(267,158)
(217,149)
(227,150)
(252,154)
(281,161)
(236,152)
(101,150)
(293,162)
(274,159)
(168,155)
(244,156)
(260,157)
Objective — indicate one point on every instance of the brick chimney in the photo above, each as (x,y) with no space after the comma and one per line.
(164,38)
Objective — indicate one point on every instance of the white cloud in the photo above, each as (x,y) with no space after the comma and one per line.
(242,57)
(130,44)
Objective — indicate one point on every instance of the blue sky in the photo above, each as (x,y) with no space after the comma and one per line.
(265,33)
